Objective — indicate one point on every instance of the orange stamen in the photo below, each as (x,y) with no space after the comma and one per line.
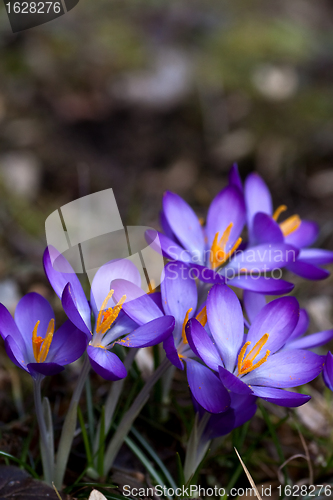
(290,225)
(151,286)
(105,316)
(41,346)
(184,325)
(218,256)
(246,365)
(202,316)
(278,211)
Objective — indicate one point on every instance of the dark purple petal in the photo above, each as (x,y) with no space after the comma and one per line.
(54,260)
(157,298)
(139,306)
(9,327)
(46,369)
(262,284)
(69,304)
(179,293)
(307,271)
(233,383)
(328,371)
(32,308)
(151,333)
(288,368)
(311,341)
(262,258)
(316,256)
(169,248)
(68,344)
(206,275)
(184,223)
(266,230)
(202,345)
(228,206)
(253,303)
(220,424)
(206,388)
(234,178)
(304,236)
(226,322)
(257,197)
(106,363)
(100,286)
(279,319)
(172,353)
(14,353)
(281,397)
(302,325)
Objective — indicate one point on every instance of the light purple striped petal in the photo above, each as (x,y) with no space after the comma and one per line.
(184,223)
(316,256)
(69,303)
(202,345)
(106,363)
(262,258)
(262,284)
(151,333)
(302,325)
(304,236)
(206,387)
(253,303)
(257,197)
(311,341)
(226,323)
(279,319)
(281,397)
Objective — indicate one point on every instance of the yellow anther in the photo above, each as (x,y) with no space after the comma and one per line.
(218,256)
(151,286)
(246,365)
(184,325)
(41,346)
(290,225)
(201,221)
(202,316)
(105,316)
(278,211)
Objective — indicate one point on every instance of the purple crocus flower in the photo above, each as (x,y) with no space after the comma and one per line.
(328,371)
(215,253)
(254,302)
(31,342)
(254,363)
(264,228)
(179,299)
(111,325)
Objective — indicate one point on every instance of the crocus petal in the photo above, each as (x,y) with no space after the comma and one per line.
(328,371)
(100,286)
(304,236)
(68,344)
(139,306)
(220,424)
(316,256)
(311,341)
(106,363)
(281,397)
(59,279)
(169,248)
(262,258)
(206,275)
(206,388)
(262,284)
(228,206)
(278,318)
(151,333)
(265,229)
(233,383)
(234,178)
(226,323)
(32,308)
(302,325)
(9,327)
(46,369)
(288,368)
(179,293)
(253,303)
(202,345)
(14,353)
(184,223)
(166,228)
(172,353)
(307,271)
(257,197)
(69,304)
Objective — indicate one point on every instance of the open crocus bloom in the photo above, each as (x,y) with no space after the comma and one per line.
(215,253)
(111,325)
(179,299)
(264,228)
(254,302)
(31,342)
(254,363)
